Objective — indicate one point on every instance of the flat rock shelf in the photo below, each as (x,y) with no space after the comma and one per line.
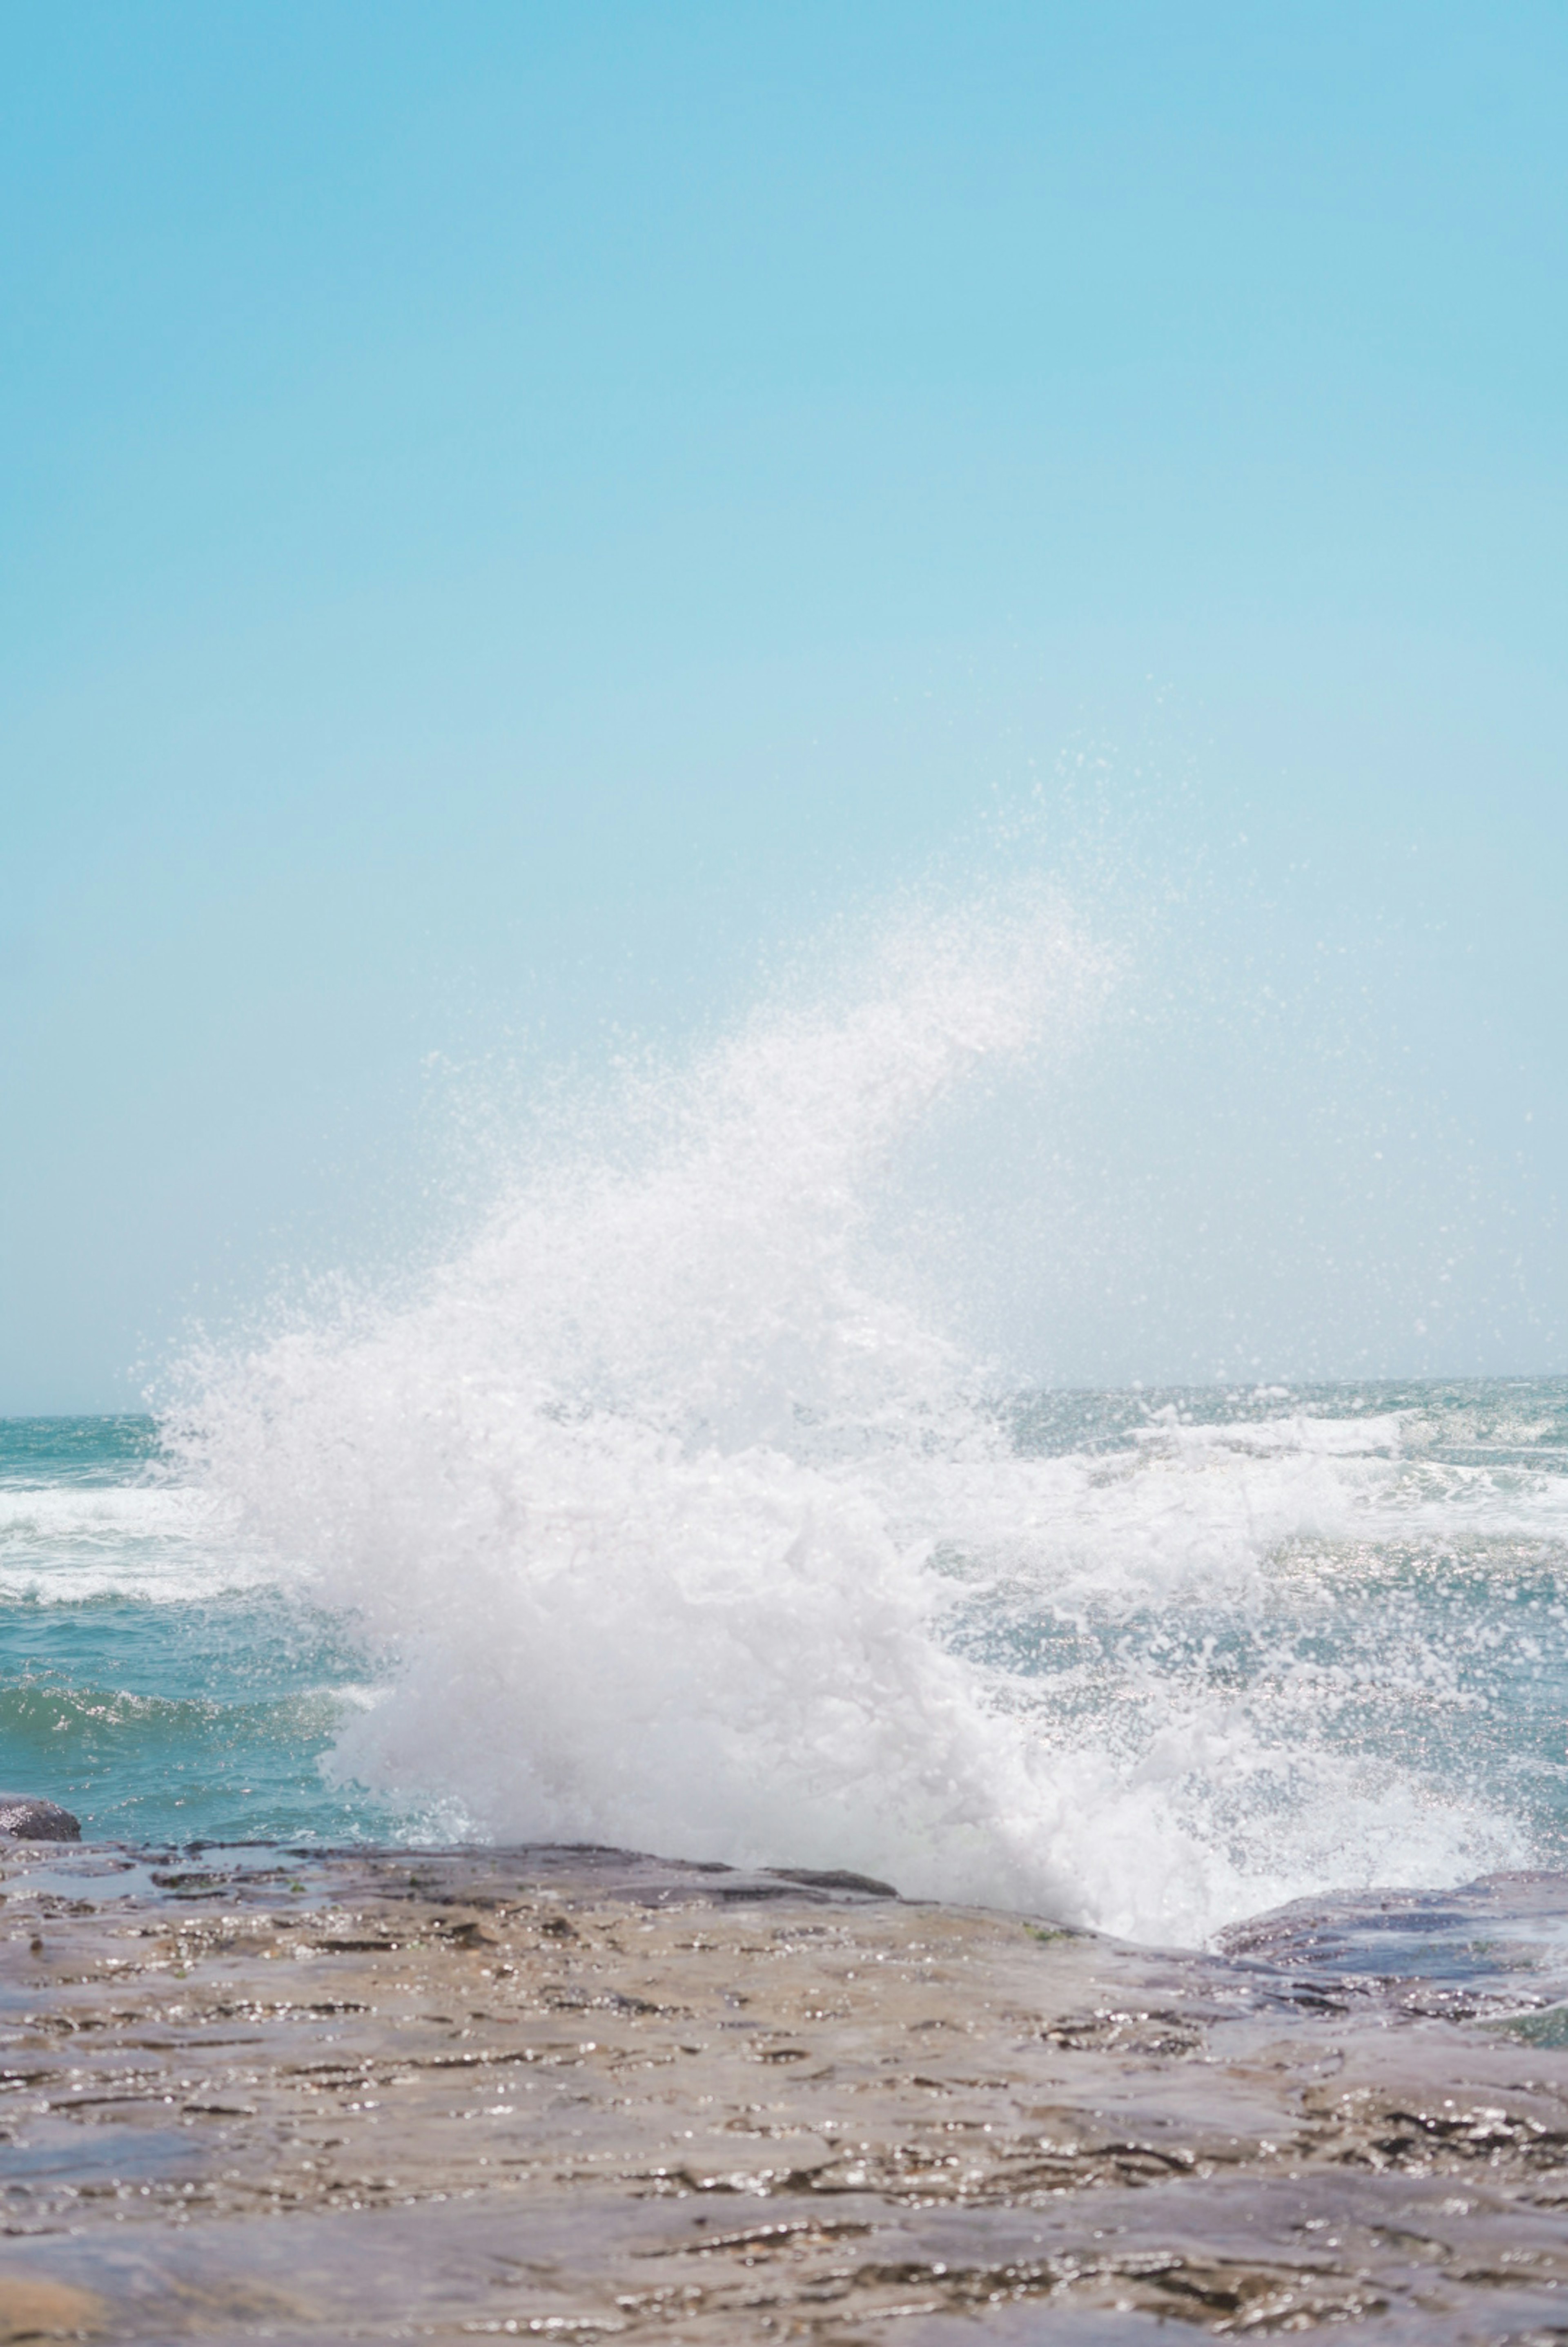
(304,2095)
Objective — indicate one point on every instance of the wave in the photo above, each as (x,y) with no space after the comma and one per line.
(231,1765)
(692,1527)
(155,1545)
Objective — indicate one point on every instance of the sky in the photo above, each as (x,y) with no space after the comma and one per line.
(511,516)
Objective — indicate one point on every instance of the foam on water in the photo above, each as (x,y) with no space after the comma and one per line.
(155,1545)
(684,1525)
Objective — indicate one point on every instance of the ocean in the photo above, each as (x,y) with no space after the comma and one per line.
(1360,1678)
(665,1512)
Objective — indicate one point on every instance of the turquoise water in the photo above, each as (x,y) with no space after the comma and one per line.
(1302,1616)
(151,1679)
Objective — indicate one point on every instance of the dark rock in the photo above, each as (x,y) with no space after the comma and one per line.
(834,1878)
(33,1821)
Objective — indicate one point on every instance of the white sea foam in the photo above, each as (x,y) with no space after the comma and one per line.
(679,1514)
(65,1544)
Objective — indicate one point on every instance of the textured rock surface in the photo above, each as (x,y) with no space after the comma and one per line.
(27,1818)
(576,2093)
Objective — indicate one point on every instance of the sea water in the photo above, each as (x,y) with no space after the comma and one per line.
(668,1510)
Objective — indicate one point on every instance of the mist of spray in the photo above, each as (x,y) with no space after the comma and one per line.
(673,1508)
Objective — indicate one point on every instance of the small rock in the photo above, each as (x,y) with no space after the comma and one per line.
(834,1878)
(29,1820)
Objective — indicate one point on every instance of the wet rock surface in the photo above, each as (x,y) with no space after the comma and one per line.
(25,1817)
(584,2094)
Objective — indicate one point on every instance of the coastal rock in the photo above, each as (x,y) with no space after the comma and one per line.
(1050,2136)
(28,1819)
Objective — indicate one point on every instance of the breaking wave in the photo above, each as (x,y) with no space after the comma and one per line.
(682,1521)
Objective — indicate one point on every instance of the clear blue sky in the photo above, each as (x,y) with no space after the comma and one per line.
(506,510)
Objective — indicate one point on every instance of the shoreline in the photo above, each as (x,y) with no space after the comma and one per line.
(255,2091)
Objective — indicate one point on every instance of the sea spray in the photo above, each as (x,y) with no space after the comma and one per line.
(620,1491)
(681,1523)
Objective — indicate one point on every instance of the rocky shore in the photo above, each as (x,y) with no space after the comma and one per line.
(304,2096)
